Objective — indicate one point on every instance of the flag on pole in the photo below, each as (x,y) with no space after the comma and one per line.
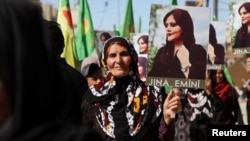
(228,76)
(128,23)
(85,36)
(65,20)
(174,2)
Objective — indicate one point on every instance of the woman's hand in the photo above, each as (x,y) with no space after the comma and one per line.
(171,104)
(208,87)
(183,56)
(210,52)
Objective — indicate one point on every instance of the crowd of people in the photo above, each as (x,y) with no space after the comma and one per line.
(44,98)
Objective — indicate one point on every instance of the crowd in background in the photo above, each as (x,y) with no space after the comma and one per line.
(44,98)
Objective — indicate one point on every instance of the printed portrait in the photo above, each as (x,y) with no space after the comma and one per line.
(101,37)
(178,41)
(216,47)
(140,42)
(240,23)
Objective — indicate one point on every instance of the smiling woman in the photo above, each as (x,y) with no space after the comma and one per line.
(118,60)
(125,107)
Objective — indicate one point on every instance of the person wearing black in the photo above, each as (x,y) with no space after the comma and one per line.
(73,83)
(122,107)
(30,105)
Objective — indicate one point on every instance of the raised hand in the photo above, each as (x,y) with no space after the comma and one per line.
(171,105)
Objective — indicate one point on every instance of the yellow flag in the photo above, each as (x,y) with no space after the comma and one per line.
(65,20)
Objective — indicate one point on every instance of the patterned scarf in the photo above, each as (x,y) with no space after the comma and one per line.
(199,102)
(125,102)
(106,98)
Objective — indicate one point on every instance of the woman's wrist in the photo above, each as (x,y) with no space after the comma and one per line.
(184,69)
(167,118)
(169,122)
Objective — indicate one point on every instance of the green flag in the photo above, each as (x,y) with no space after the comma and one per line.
(85,36)
(115,30)
(65,20)
(128,22)
(174,2)
(228,76)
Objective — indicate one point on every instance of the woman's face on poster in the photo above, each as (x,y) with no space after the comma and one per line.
(140,69)
(245,16)
(143,46)
(173,30)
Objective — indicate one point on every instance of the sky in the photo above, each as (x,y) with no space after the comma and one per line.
(107,13)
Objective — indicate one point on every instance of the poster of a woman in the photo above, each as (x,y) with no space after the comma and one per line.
(178,40)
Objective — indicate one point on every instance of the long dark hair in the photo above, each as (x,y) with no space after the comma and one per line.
(213,72)
(212,35)
(184,20)
(144,38)
(243,34)
(142,61)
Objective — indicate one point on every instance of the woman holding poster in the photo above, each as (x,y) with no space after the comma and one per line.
(124,108)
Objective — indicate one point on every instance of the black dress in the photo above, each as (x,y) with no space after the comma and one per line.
(167,65)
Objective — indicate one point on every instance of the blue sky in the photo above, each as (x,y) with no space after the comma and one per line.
(104,16)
